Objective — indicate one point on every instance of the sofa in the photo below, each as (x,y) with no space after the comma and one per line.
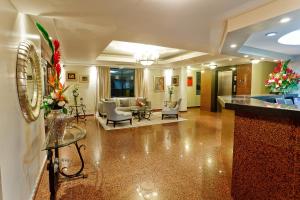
(124,104)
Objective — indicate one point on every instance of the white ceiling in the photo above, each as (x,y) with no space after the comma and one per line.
(130,49)
(252,40)
(86,27)
(259,39)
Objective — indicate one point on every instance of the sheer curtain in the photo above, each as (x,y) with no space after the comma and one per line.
(139,83)
(103,83)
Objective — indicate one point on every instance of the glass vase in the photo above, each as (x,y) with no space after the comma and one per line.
(58,121)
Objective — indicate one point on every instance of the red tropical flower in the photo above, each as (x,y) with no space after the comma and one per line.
(56,57)
(56,44)
(58,69)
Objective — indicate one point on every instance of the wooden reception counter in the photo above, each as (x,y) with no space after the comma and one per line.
(266,148)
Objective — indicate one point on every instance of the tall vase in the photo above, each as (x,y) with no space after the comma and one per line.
(58,121)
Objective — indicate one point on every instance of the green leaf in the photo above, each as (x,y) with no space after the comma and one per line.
(45,35)
(65,111)
(65,88)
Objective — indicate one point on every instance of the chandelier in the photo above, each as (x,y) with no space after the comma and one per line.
(146,58)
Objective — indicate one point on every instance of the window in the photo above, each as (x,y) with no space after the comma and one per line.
(122,82)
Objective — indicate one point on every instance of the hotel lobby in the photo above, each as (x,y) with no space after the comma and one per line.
(150,100)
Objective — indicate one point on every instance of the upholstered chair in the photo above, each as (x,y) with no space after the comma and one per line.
(115,116)
(171,111)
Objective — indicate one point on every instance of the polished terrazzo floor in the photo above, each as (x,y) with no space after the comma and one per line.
(185,160)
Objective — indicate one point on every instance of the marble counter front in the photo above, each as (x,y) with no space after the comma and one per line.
(266,149)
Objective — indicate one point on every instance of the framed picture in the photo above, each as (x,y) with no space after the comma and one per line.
(189,81)
(84,79)
(175,80)
(71,76)
(159,83)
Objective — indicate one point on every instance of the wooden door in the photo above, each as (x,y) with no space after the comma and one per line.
(244,75)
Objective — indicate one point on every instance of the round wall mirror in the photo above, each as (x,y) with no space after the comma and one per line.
(29,83)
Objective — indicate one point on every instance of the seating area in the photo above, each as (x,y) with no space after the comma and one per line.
(119,110)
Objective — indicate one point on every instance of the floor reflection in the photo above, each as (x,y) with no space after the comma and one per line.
(183,160)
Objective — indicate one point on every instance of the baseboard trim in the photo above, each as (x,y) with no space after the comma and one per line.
(39,179)
(193,107)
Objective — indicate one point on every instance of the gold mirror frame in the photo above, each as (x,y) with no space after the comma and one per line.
(27,54)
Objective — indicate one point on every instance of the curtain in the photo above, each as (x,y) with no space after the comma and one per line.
(103,83)
(139,83)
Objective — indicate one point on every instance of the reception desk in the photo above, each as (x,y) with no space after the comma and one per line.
(266,148)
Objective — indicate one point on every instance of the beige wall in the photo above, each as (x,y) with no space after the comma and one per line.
(86,90)
(20,142)
(192,98)
(157,98)
(260,73)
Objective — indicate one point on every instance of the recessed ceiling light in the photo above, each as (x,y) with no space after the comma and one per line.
(275,60)
(292,38)
(262,58)
(255,61)
(271,34)
(233,46)
(285,20)
(212,65)
(246,56)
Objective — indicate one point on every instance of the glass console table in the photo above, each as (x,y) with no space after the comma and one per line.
(73,134)
(79,111)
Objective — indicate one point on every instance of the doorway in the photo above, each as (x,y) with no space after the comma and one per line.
(224,83)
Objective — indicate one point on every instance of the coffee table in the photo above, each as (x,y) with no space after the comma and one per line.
(141,112)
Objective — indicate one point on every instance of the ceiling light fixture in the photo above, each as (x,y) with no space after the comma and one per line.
(230,59)
(275,60)
(255,61)
(246,56)
(271,34)
(285,20)
(212,65)
(233,46)
(292,38)
(262,58)
(146,58)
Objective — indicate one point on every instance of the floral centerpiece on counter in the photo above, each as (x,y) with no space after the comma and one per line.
(56,100)
(283,79)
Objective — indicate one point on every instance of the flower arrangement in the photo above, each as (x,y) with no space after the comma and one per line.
(56,100)
(170,91)
(283,79)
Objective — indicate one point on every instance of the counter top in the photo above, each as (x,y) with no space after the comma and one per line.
(253,102)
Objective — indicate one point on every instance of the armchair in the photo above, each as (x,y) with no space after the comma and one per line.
(169,111)
(115,116)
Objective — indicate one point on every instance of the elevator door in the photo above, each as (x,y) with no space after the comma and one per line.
(224,83)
